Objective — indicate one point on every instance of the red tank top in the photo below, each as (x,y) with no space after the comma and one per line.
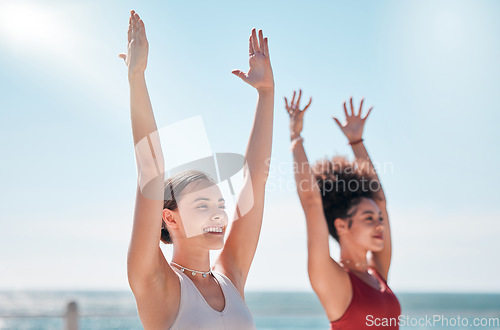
(369,307)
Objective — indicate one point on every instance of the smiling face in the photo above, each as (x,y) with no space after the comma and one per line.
(202,215)
(367,226)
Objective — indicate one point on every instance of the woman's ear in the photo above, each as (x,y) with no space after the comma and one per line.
(169,217)
(340,226)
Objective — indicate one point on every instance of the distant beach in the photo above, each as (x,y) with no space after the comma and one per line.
(271,310)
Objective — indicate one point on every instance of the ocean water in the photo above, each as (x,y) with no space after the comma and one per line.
(271,310)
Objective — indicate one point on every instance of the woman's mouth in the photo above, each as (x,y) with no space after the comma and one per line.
(379,236)
(214,230)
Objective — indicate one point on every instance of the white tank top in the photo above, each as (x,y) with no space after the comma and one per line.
(196,313)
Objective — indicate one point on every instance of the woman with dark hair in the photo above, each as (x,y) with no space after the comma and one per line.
(346,200)
(187,210)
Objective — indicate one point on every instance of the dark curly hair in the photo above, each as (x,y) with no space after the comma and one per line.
(343,185)
(173,191)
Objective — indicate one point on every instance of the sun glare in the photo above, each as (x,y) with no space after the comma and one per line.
(28,26)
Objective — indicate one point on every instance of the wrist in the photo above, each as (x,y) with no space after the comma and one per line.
(266,90)
(355,141)
(294,136)
(296,141)
(135,73)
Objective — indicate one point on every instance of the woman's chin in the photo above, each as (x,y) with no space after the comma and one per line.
(377,247)
(215,244)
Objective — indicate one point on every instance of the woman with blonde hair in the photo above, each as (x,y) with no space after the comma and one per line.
(187,210)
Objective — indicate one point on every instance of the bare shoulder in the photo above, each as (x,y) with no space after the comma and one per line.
(158,299)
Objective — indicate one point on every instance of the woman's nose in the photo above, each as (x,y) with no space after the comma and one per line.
(220,216)
(380,225)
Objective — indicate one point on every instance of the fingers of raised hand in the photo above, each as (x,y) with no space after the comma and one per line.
(129,31)
(352,109)
(261,42)
(136,17)
(133,18)
(240,74)
(337,121)
(361,106)
(298,99)
(308,104)
(139,30)
(289,108)
(293,108)
(255,43)
(368,113)
(142,30)
(133,24)
(250,46)
(138,26)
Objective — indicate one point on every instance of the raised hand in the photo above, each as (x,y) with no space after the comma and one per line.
(353,128)
(296,115)
(136,58)
(260,74)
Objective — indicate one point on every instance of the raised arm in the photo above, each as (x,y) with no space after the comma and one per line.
(144,256)
(239,249)
(328,279)
(353,131)
(307,188)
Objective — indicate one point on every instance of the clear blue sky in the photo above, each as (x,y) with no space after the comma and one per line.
(68,177)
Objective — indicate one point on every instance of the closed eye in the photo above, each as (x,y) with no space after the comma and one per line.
(206,206)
